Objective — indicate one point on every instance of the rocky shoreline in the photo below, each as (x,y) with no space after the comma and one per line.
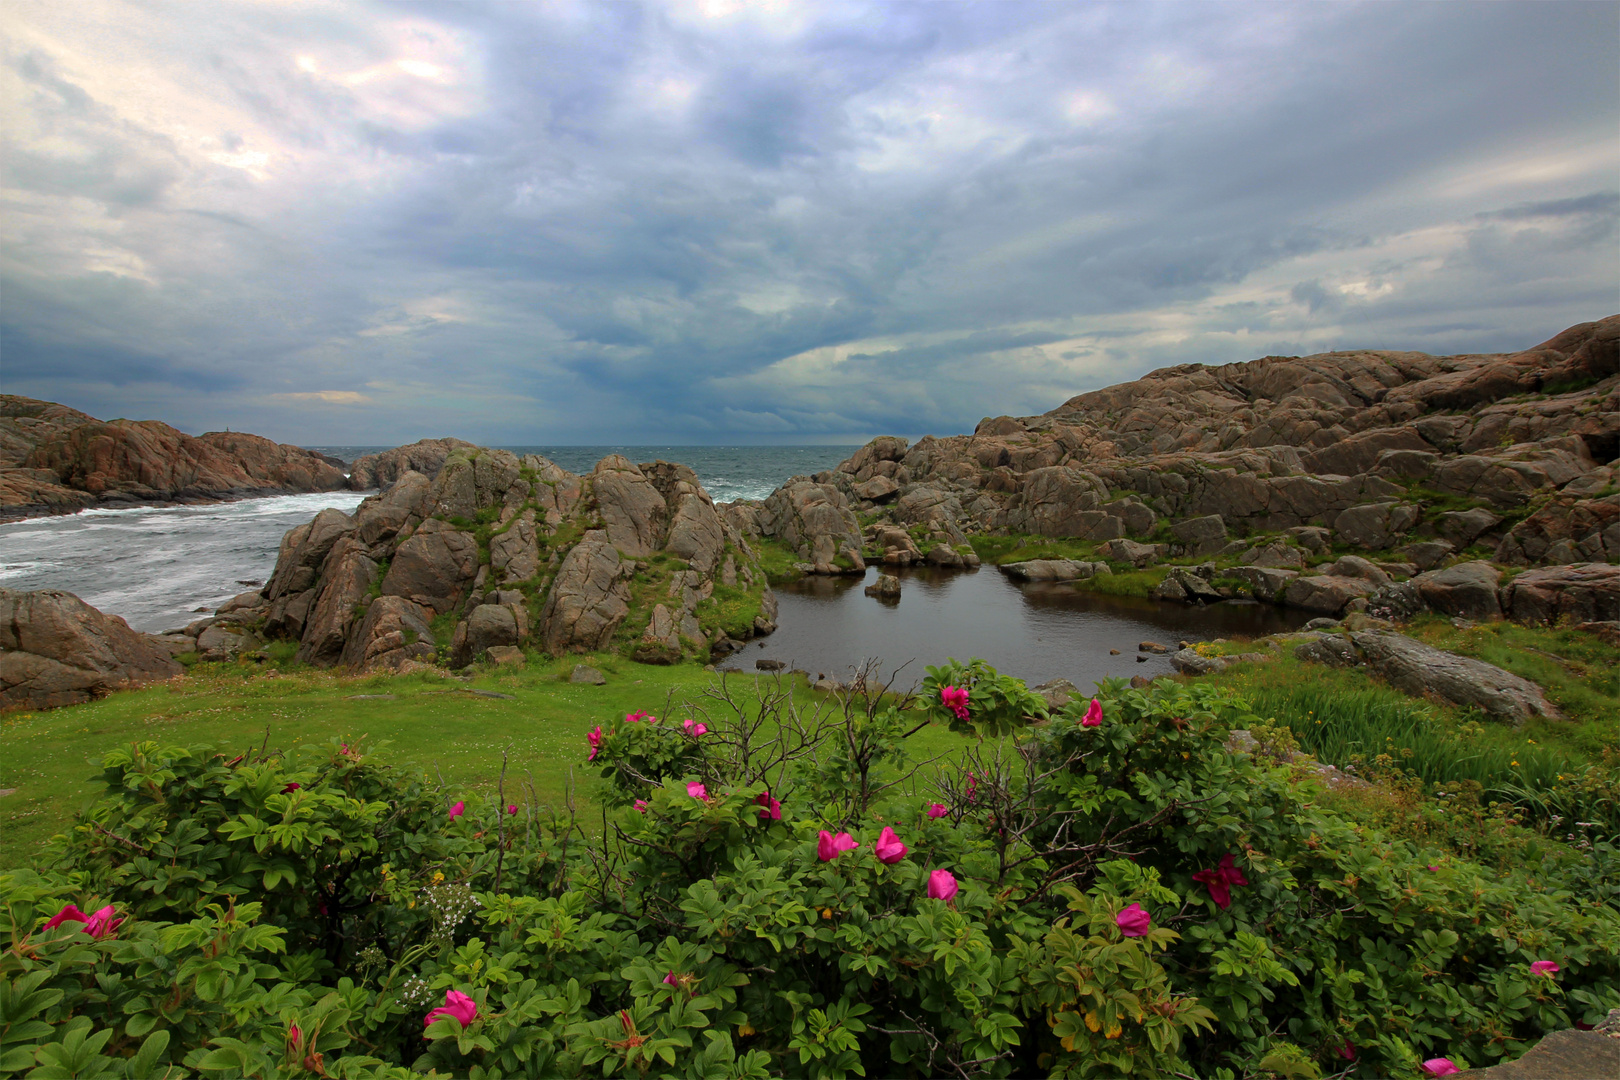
(57,460)
(1369,485)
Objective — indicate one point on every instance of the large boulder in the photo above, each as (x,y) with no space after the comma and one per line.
(589,598)
(57,650)
(346,580)
(1201,535)
(1466,590)
(304,549)
(1064,501)
(1327,594)
(381,517)
(393,631)
(1583,592)
(816,522)
(1053,570)
(487,626)
(1375,526)
(434,567)
(515,553)
(633,511)
(1418,669)
(1267,583)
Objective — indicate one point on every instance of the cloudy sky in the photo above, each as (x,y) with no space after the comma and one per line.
(721,222)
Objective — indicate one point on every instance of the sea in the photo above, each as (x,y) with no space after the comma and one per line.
(161,567)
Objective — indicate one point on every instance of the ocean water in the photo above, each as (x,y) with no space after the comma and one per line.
(156,566)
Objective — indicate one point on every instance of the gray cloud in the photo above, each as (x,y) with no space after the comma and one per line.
(519,223)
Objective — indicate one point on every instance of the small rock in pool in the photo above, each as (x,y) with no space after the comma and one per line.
(1153,647)
(769,665)
(1113,652)
(1141,659)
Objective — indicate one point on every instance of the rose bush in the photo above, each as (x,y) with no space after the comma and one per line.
(1106,890)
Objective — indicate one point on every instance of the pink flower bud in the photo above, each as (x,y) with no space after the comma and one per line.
(942,885)
(290,788)
(457,810)
(937,810)
(1134,921)
(773,807)
(641,804)
(1545,967)
(670,980)
(456,1004)
(594,737)
(511,809)
(888,848)
(1093,715)
(1440,1067)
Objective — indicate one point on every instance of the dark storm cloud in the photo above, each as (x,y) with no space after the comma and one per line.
(537,223)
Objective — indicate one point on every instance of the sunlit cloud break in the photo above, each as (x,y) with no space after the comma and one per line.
(720,222)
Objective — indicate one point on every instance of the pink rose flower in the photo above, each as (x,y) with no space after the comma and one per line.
(1133,921)
(1093,715)
(829,847)
(694,729)
(594,737)
(670,980)
(937,810)
(697,791)
(1221,880)
(1440,1067)
(955,698)
(888,848)
(456,1004)
(290,788)
(942,885)
(773,807)
(972,786)
(69,913)
(1348,1050)
(457,810)
(102,923)
(1544,967)
(635,717)
(511,809)
(641,805)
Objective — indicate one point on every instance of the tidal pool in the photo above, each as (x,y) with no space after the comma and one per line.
(1036,632)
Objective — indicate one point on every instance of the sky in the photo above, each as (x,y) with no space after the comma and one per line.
(722,222)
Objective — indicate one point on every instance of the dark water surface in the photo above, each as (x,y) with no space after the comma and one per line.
(1033,631)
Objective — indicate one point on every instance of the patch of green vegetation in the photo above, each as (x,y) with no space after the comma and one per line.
(1126,582)
(1579,671)
(779,561)
(1001,550)
(731,610)
(1569,386)
(444,629)
(1348,718)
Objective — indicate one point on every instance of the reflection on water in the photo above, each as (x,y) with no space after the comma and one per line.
(1035,632)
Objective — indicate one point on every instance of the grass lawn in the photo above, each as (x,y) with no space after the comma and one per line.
(52,759)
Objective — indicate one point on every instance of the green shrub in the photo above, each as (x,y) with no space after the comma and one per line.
(714,926)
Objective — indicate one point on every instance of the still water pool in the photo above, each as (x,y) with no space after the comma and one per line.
(1033,631)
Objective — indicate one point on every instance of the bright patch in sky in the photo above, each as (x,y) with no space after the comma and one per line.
(715,220)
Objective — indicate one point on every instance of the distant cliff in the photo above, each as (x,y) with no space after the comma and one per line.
(57,460)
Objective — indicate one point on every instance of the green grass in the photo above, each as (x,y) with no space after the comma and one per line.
(1347,717)
(779,561)
(1000,550)
(1579,671)
(52,758)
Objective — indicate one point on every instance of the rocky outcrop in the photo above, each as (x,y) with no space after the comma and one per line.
(54,459)
(1584,592)
(814,520)
(1368,450)
(1466,590)
(57,650)
(497,552)
(1053,570)
(383,470)
(1418,669)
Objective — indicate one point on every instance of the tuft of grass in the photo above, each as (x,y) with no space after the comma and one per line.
(779,561)
(1000,550)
